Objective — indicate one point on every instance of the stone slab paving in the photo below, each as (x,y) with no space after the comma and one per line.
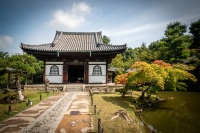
(77,117)
(46,116)
(81,103)
(50,119)
(21,120)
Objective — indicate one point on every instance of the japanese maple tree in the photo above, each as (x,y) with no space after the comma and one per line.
(158,75)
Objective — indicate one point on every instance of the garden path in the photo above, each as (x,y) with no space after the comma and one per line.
(49,115)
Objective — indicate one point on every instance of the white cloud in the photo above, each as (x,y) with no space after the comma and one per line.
(71,19)
(123,31)
(134,36)
(5,42)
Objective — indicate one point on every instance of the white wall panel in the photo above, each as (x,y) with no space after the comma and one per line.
(103,69)
(97,79)
(54,78)
(49,66)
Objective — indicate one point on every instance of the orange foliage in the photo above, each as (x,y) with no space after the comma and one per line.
(121,79)
(162,63)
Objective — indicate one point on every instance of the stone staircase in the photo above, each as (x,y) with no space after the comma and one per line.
(74,88)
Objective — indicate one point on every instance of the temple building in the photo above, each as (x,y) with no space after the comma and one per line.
(75,57)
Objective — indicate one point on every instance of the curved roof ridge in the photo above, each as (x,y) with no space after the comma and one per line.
(63,32)
(112,45)
(56,38)
(35,44)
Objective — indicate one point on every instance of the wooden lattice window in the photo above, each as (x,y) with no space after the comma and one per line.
(97,70)
(54,70)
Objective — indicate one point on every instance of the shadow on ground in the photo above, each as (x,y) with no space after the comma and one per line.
(127,102)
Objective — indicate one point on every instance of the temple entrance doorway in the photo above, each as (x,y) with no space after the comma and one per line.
(76,73)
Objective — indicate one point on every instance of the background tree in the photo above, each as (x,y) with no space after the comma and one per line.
(106,40)
(120,64)
(3,60)
(157,49)
(176,43)
(128,54)
(195,50)
(22,65)
(3,64)
(143,53)
(195,34)
(4,54)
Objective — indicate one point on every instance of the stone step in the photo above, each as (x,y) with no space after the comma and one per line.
(74,89)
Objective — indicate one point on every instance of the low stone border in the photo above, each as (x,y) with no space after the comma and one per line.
(76,87)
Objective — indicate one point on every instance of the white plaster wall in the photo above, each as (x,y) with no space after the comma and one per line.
(54,78)
(97,78)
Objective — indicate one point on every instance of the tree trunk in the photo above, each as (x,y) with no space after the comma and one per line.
(19,91)
(144,91)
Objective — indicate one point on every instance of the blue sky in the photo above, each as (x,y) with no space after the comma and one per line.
(124,21)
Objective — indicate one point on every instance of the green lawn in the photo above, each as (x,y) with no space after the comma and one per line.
(111,103)
(34,96)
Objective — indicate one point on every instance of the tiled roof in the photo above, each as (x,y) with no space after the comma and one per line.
(75,42)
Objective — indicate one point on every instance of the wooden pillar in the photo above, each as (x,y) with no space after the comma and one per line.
(86,73)
(44,71)
(65,72)
(106,77)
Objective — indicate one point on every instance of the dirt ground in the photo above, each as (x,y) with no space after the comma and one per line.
(74,124)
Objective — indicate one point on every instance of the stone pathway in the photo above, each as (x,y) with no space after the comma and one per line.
(48,121)
(80,104)
(76,118)
(46,116)
(21,120)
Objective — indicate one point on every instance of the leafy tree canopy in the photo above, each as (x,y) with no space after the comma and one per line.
(106,40)
(24,63)
(176,43)
(121,64)
(20,65)
(195,34)
(3,60)
(158,75)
